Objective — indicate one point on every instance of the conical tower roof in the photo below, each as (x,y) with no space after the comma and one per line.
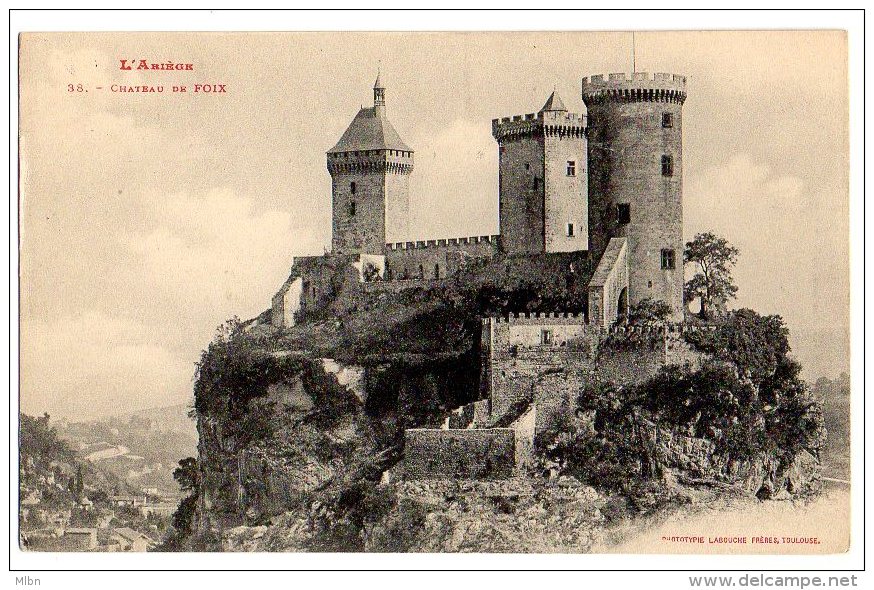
(370,130)
(553,103)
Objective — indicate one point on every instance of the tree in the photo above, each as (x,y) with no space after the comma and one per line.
(187,474)
(712,284)
(649,312)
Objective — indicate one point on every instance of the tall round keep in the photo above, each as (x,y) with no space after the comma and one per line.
(635,137)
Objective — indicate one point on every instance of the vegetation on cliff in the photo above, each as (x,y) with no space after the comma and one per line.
(314,466)
(748,404)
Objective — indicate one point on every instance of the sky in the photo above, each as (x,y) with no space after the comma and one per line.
(147,219)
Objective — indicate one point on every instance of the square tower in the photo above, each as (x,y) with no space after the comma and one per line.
(370,188)
(543,178)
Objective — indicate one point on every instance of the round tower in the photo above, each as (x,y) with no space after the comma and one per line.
(635,151)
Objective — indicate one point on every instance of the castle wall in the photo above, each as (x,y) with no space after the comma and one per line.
(608,283)
(462,454)
(627,140)
(435,259)
(316,281)
(517,366)
(566,197)
(521,194)
(516,358)
(286,303)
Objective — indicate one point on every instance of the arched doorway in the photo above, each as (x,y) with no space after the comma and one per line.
(622,306)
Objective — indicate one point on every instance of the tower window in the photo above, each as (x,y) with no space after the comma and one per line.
(669,261)
(527,166)
(436,271)
(623,213)
(667,120)
(352,188)
(570,230)
(546,336)
(571,168)
(667,165)
(352,208)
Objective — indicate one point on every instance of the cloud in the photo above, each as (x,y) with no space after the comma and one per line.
(455,185)
(791,241)
(98,364)
(214,251)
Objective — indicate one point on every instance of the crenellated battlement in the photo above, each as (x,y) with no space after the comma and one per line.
(636,87)
(551,123)
(393,161)
(579,319)
(444,243)
(537,319)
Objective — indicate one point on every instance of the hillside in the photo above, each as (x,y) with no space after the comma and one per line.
(61,491)
(141,448)
(835,397)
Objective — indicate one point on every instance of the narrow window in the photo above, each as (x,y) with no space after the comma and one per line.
(546,336)
(436,271)
(667,166)
(536,184)
(352,188)
(667,120)
(421,272)
(571,168)
(352,209)
(623,213)
(570,230)
(527,166)
(668,259)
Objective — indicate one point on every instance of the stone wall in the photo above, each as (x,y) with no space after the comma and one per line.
(521,194)
(358,219)
(518,366)
(610,281)
(286,302)
(462,454)
(566,196)
(435,259)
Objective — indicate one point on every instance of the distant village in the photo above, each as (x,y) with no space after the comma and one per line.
(80,492)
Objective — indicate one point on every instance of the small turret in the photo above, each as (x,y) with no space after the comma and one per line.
(379,95)
(554,104)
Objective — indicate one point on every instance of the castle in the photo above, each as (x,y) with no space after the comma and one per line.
(603,190)
(606,185)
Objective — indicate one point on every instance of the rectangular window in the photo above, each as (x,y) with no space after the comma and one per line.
(623,213)
(546,336)
(669,261)
(570,230)
(352,209)
(667,165)
(571,168)
(667,120)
